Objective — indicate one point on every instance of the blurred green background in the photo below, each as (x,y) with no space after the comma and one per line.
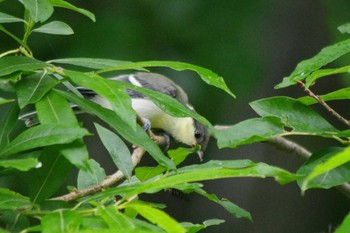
(253,45)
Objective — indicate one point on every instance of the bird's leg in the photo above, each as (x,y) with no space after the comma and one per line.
(146,124)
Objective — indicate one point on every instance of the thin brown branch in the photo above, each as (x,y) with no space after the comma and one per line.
(107,182)
(324,104)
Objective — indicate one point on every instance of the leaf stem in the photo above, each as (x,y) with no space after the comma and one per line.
(324,104)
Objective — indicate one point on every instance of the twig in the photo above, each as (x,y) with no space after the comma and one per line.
(324,104)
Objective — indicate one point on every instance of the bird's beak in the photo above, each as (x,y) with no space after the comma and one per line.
(200,155)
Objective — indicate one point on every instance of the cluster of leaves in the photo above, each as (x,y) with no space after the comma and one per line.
(44,154)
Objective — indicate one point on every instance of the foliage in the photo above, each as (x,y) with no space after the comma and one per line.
(45,153)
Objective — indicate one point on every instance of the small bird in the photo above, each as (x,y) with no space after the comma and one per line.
(185,130)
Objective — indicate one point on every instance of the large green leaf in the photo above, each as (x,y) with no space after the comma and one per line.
(67,5)
(118,99)
(138,137)
(43,135)
(250,131)
(328,179)
(294,114)
(157,216)
(6,18)
(55,28)
(42,183)
(53,109)
(12,64)
(306,67)
(341,94)
(91,177)
(7,122)
(332,160)
(207,171)
(92,63)
(12,200)
(32,88)
(207,75)
(39,10)
(117,149)
(61,221)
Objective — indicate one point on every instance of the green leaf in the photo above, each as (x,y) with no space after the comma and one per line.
(117,149)
(146,173)
(32,88)
(91,222)
(232,208)
(158,217)
(118,99)
(55,28)
(294,114)
(76,153)
(344,226)
(23,162)
(250,131)
(11,64)
(317,74)
(67,5)
(89,178)
(42,183)
(306,67)
(332,161)
(53,109)
(7,123)
(207,75)
(193,228)
(6,18)
(179,154)
(328,179)
(93,63)
(43,135)
(13,221)
(11,200)
(115,219)
(61,221)
(341,94)
(208,171)
(345,28)
(5,101)
(138,137)
(40,10)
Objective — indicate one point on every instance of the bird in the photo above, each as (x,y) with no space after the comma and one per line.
(185,130)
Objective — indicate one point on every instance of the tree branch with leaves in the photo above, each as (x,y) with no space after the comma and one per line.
(47,151)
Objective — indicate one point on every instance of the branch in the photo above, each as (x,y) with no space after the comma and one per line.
(107,182)
(324,104)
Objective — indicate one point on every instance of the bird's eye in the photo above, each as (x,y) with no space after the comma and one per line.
(197,134)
